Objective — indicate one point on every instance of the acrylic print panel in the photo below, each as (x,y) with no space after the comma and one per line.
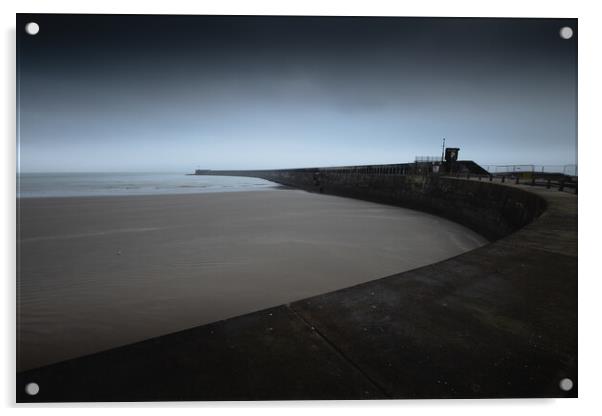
(275,208)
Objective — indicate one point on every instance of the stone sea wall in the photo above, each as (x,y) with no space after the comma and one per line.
(493,210)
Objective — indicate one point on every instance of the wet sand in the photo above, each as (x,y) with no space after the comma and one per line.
(100,272)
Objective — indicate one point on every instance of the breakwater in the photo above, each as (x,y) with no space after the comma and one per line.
(490,209)
(499,321)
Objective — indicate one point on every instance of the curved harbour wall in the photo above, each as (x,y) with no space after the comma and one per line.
(493,210)
(499,321)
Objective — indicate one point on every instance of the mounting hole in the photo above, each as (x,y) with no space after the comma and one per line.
(32,389)
(566,384)
(32,28)
(566,32)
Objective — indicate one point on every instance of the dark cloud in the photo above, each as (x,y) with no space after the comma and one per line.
(165,92)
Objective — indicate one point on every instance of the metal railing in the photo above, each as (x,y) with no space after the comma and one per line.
(427,159)
(553,180)
(569,170)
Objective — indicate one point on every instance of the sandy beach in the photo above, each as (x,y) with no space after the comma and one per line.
(100,272)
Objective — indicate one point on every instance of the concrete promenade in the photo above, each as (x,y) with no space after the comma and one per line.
(499,321)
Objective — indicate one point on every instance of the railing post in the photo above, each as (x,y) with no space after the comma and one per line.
(503,179)
(548,183)
(490,178)
(516,180)
(533,179)
(561,187)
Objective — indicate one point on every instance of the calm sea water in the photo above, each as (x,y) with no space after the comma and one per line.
(31,185)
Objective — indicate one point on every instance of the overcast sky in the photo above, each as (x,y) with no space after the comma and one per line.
(175,93)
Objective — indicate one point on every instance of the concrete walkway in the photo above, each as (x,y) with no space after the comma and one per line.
(499,321)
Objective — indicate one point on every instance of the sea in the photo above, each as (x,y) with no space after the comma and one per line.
(41,185)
